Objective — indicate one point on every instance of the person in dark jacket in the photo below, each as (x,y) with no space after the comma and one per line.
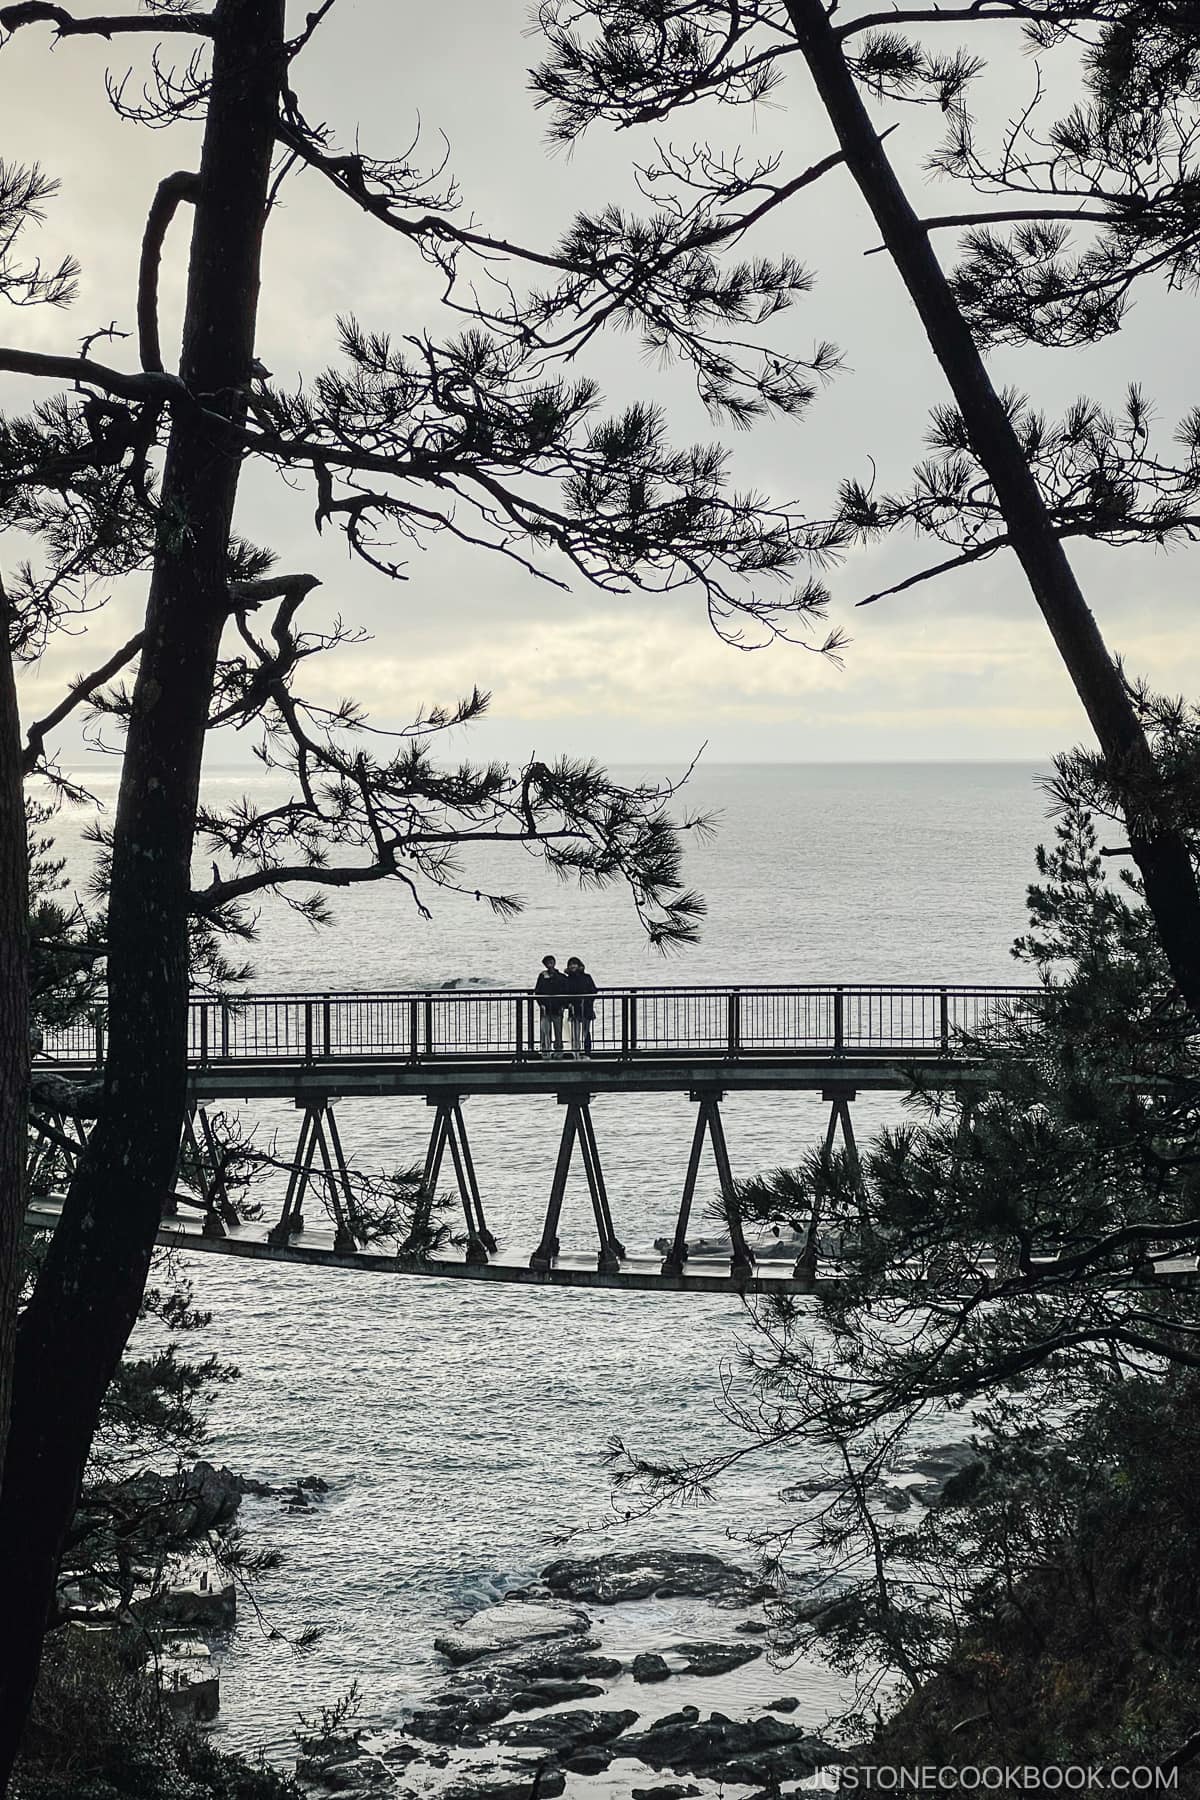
(580,991)
(549,988)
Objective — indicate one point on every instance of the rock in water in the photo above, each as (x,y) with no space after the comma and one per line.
(651,1667)
(638,1574)
(716,1659)
(507,1781)
(566,1732)
(513,1622)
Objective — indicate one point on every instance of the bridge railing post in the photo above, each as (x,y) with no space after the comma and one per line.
(734,1024)
(944,1020)
(326,1027)
(414,1027)
(308,1031)
(224,1028)
(839,1022)
(519,1034)
(633,1023)
(203,1031)
(624,1025)
(98,1030)
(428,1026)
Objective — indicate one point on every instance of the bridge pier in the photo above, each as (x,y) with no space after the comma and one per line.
(450,1132)
(318,1132)
(840,1100)
(709,1123)
(578,1127)
(207,1170)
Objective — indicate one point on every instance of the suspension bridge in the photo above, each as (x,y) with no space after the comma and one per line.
(446,1045)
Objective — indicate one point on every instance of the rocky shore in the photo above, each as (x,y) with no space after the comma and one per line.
(538,1701)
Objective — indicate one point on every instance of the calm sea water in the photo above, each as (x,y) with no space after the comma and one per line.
(462,1428)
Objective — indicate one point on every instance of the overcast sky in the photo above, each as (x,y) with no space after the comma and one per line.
(962,670)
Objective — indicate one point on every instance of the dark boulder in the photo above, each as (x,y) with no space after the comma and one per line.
(552,1693)
(638,1574)
(459,1719)
(651,1667)
(575,1663)
(728,1750)
(592,1760)
(564,1733)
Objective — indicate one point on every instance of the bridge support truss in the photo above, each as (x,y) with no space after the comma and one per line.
(709,1124)
(578,1129)
(450,1133)
(318,1133)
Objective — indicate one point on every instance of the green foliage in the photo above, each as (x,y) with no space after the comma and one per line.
(1078,1636)
(98,1731)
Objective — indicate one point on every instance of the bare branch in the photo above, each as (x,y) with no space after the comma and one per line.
(80,690)
(37,12)
(171,192)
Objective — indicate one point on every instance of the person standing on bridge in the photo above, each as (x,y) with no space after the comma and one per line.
(581,989)
(549,989)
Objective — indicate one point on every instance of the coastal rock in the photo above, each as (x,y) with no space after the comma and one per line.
(651,1667)
(728,1750)
(573,1663)
(592,1760)
(639,1574)
(670,1790)
(186,1504)
(716,1659)
(198,1606)
(512,1622)
(507,1781)
(459,1719)
(788,1704)
(357,1775)
(564,1733)
(552,1693)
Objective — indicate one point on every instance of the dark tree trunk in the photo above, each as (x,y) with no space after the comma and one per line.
(71,1336)
(14,1017)
(1159,848)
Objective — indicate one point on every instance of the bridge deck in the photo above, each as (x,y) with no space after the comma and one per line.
(314,1247)
(335,1078)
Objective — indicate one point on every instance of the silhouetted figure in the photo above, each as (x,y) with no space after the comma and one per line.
(581,990)
(549,988)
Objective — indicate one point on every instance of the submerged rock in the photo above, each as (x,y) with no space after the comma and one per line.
(512,1622)
(716,1659)
(671,1790)
(639,1574)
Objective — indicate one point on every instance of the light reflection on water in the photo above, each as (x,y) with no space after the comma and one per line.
(462,1427)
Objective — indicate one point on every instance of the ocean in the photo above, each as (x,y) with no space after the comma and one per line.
(461,1428)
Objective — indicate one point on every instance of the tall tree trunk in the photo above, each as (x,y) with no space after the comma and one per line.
(14,1016)
(71,1336)
(1158,846)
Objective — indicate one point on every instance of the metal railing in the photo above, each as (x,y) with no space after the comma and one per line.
(502,1024)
